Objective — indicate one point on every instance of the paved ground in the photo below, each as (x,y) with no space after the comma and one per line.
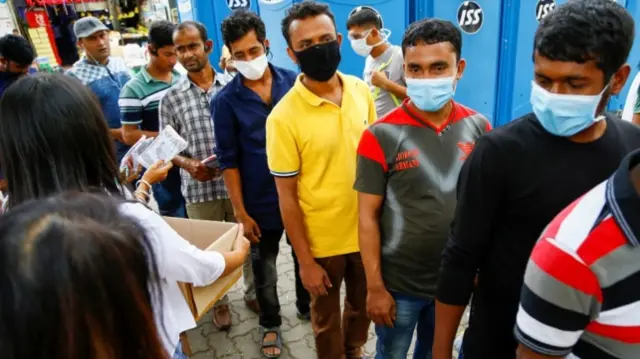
(242,340)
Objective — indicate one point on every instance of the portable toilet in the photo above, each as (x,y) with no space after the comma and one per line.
(617,102)
(272,12)
(479,22)
(212,12)
(185,10)
(516,63)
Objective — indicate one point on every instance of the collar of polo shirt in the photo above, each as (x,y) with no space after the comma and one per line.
(623,199)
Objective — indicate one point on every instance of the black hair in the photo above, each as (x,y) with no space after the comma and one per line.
(202,30)
(362,16)
(80,278)
(304,10)
(433,31)
(161,34)
(239,24)
(17,49)
(54,138)
(588,30)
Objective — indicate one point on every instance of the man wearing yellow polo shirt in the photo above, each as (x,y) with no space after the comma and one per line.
(312,136)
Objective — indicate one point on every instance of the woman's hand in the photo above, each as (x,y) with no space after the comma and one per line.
(130,174)
(158,172)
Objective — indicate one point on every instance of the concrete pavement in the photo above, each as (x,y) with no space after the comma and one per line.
(242,340)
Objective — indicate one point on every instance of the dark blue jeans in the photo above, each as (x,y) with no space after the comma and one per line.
(394,343)
(169,197)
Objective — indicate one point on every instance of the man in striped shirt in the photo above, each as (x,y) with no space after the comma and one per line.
(139,102)
(581,297)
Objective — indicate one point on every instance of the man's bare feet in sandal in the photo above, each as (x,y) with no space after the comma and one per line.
(272,343)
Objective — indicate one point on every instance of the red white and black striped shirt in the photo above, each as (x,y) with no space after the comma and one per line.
(581,297)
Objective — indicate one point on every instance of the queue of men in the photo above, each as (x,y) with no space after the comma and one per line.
(390,185)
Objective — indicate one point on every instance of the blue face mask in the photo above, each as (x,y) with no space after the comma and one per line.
(430,95)
(564,115)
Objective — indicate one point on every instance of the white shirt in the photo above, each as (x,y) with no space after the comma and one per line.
(177,260)
(632,97)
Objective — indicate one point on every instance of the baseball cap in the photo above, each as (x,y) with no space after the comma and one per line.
(88,26)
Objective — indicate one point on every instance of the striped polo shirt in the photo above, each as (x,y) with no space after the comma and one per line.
(415,166)
(140,97)
(581,297)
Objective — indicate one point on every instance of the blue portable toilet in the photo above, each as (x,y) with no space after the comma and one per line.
(395,15)
(479,22)
(272,12)
(516,63)
(185,10)
(617,102)
(212,12)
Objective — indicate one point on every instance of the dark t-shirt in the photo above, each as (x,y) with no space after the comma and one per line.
(415,167)
(518,178)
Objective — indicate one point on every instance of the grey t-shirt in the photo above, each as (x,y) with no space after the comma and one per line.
(415,169)
(391,63)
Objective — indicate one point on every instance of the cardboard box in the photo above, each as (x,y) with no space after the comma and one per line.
(207,235)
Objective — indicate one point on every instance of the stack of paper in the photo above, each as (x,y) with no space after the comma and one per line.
(148,151)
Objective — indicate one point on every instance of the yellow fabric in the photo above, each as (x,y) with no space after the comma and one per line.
(316,140)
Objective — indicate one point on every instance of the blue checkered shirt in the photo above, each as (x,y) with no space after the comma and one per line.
(186,107)
(105,81)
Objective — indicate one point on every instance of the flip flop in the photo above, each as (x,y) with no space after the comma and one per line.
(277,343)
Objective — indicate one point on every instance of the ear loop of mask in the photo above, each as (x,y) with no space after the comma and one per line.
(384,34)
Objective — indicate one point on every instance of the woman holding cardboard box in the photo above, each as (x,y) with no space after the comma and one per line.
(54,138)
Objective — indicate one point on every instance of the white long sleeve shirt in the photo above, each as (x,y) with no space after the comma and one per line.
(177,260)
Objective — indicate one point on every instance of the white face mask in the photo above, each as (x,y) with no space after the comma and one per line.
(361,47)
(254,69)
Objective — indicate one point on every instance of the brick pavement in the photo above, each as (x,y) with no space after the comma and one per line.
(242,340)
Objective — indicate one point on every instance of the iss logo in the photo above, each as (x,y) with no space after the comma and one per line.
(238,4)
(470,17)
(544,7)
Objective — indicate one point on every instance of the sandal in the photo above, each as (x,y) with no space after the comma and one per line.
(277,343)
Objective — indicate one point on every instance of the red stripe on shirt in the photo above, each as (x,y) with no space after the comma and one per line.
(399,117)
(370,148)
(604,239)
(552,228)
(566,269)
(630,335)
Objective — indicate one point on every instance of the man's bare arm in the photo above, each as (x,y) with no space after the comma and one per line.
(636,119)
(397,90)
(369,237)
(116,133)
(447,321)
(293,218)
(131,134)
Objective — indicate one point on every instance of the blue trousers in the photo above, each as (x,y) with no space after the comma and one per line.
(179,354)
(169,197)
(411,313)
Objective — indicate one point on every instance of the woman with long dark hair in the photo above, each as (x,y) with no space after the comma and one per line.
(53,139)
(77,281)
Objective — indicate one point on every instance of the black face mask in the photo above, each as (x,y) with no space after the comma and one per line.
(319,62)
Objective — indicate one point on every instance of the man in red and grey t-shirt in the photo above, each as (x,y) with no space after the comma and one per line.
(408,166)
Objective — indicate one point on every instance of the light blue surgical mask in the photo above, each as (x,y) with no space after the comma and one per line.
(430,95)
(564,115)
